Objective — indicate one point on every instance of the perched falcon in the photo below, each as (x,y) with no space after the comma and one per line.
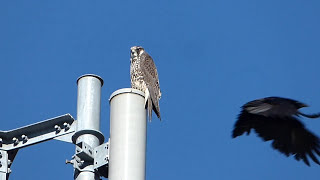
(276,119)
(144,77)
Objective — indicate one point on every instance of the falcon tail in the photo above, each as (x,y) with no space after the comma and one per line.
(154,103)
(157,111)
(151,103)
(317,115)
(149,108)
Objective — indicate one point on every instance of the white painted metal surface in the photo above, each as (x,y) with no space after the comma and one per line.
(88,105)
(88,118)
(128,130)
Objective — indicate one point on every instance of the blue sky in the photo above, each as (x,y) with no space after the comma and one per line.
(212,56)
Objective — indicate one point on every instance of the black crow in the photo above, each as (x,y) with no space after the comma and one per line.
(276,119)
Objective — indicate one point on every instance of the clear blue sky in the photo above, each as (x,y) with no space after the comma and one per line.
(212,57)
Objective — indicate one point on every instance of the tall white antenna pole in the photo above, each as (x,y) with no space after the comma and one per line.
(88,126)
(128,128)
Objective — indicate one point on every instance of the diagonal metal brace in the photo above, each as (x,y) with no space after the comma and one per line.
(60,128)
(38,132)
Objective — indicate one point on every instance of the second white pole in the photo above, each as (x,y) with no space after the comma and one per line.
(128,129)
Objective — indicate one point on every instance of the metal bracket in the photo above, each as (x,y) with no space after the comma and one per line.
(101,155)
(98,156)
(84,151)
(101,159)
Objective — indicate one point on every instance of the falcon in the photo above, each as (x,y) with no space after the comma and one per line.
(144,77)
(276,119)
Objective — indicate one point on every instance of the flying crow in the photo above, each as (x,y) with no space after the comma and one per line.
(276,119)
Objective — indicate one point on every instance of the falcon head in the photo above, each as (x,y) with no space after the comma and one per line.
(136,51)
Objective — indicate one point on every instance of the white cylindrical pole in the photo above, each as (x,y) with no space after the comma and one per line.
(128,128)
(88,105)
(88,120)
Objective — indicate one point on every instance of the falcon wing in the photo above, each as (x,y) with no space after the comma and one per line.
(150,76)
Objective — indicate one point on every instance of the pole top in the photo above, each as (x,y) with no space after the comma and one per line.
(126,90)
(92,75)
